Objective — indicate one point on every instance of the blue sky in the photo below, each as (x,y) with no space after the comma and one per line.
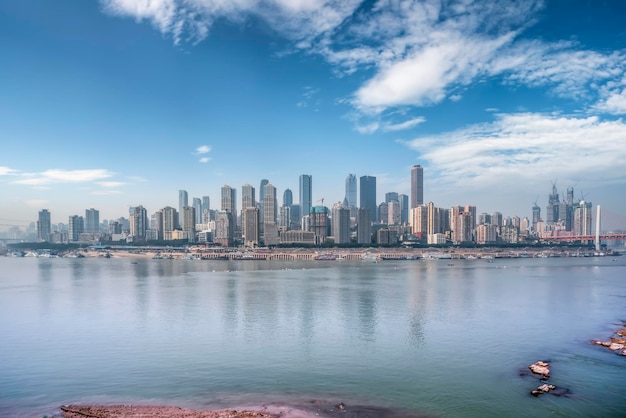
(115,103)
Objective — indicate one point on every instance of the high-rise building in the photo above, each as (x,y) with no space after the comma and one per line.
(496,219)
(261,198)
(206,203)
(224,229)
(138,223)
(419,221)
(306,194)
(582,218)
(76,227)
(383,213)
(248,196)
(229,200)
(536,216)
(417,186)
(319,223)
(364,226)
(92,221)
(189,223)
(284,218)
(391,196)
(158,224)
(287,198)
(197,206)
(367,196)
(183,200)
(394,212)
(44,227)
(341,224)
(250,226)
(434,219)
(170,222)
(270,205)
(350,196)
(404,208)
(552,210)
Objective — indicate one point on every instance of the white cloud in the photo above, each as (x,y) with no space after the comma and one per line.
(204,160)
(389,126)
(6,171)
(63,176)
(105,192)
(110,184)
(525,148)
(203,149)
(368,129)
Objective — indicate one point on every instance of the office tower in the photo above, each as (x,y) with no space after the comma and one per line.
(295,216)
(287,198)
(383,213)
(270,205)
(552,210)
(76,227)
(197,206)
(582,218)
(44,228)
(250,226)
(463,228)
(391,196)
(306,194)
(284,218)
(419,221)
(224,229)
(393,212)
(341,224)
(206,203)
(248,196)
(319,223)
(189,223)
(486,233)
(570,196)
(158,224)
(524,225)
(364,226)
(170,222)
(434,219)
(264,182)
(92,221)
(484,218)
(417,186)
(536,216)
(367,196)
(350,196)
(472,212)
(496,219)
(183,200)
(115,227)
(138,223)
(404,208)
(229,201)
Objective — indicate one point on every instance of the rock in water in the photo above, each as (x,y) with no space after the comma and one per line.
(541,368)
(545,388)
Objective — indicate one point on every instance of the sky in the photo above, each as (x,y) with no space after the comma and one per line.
(116,103)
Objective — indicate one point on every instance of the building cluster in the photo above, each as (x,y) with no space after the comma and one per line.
(263,222)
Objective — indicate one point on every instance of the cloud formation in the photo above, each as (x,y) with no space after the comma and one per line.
(526,147)
(63,176)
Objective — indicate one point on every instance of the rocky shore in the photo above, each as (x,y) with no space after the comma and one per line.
(616,343)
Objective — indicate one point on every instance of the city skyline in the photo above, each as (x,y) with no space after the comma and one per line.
(114,104)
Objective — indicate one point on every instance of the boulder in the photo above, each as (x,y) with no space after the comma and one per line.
(545,388)
(541,368)
(616,346)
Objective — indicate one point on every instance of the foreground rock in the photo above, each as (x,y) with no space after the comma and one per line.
(541,368)
(119,411)
(617,344)
(545,388)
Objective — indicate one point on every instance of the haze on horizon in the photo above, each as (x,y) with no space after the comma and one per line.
(118,103)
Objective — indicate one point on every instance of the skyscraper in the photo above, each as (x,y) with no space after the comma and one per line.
(364,226)
(197,206)
(391,196)
(367,196)
(417,186)
(189,223)
(206,203)
(76,225)
(44,227)
(250,226)
(404,208)
(183,200)
(261,197)
(350,196)
(170,222)
(270,205)
(138,223)
(229,201)
(248,198)
(287,198)
(92,221)
(341,224)
(306,195)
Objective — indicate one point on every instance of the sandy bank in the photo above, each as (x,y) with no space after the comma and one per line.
(115,411)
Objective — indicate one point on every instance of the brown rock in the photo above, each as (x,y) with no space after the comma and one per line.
(541,368)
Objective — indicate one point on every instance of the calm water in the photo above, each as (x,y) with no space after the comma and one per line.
(422,336)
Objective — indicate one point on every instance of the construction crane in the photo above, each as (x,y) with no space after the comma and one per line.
(321,200)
